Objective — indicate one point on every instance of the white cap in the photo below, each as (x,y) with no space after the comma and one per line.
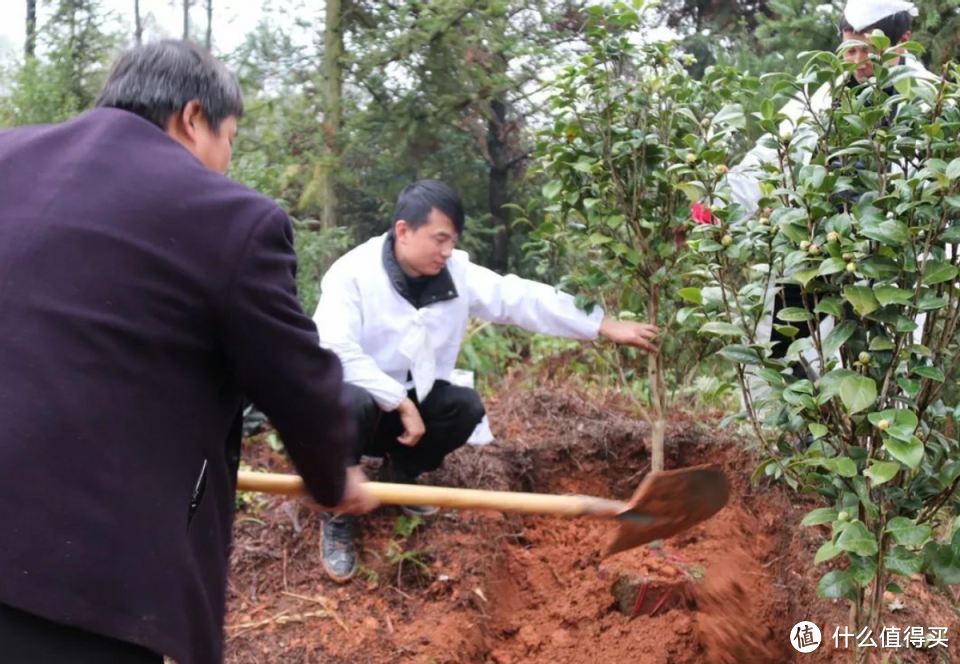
(861,14)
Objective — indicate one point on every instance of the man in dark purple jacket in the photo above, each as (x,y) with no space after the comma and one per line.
(142,295)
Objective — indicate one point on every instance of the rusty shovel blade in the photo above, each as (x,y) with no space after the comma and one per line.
(667,503)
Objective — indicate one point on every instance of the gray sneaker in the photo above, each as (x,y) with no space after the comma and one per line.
(337,550)
(390,473)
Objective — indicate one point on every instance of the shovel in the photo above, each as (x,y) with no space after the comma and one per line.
(665,504)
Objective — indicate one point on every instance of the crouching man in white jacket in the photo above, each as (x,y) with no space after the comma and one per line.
(395,310)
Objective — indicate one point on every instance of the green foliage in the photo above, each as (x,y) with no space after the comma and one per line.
(634,141)
(74,50)
(860,204)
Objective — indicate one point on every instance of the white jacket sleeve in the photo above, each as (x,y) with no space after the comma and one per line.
(528,304)
(339,321)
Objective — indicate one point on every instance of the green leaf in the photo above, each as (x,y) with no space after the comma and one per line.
(772,377)
(946,564)
(740,354)
(691,295)
(842,466)
(731,115)
(828,551)
(881,472)
(932,373)
(794,315)
(937,272)
(953,170)
(862,298)
(908,453)
(889,232)
(722,329)
(907,533)
(950,472)
(818,431)
(837,337)
(890,415)
(804,277)
(881,343)
(858,393)
(836,585)
(931,301)
(862,569)
(789,331)
(892,295)
(694,191)
(552,189)
(857,539)
(903,561)
(952,235)
(820,516)
(830,305)
(831,266)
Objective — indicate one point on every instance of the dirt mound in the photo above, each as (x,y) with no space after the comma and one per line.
(487,588)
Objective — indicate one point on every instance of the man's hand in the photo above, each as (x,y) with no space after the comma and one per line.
(356,499)
(413,427)
(640,335)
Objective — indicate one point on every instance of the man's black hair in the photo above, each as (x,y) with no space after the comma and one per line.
(895,26)
(419,198)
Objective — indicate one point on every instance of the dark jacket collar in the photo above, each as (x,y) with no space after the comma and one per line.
(437,288)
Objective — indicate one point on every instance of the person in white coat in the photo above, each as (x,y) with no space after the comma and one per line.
(395,311)
(857,23)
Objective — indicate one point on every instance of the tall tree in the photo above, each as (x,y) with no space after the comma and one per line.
(138,22)
(209,39)
(332,95)
(67,70)
(464,67)
(30,46)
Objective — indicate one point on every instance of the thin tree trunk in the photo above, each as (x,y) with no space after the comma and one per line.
(209,39)
(30,46)
(138,21)
(657,393)
(332,97)
(500,154)
(186,19)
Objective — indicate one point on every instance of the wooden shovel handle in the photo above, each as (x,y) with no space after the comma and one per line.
(415,495)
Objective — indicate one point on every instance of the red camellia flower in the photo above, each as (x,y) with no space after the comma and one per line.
(701,214)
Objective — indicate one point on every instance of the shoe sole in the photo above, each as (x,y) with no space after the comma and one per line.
(409,512)
(333,576)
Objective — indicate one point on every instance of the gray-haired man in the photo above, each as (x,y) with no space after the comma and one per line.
(141,288)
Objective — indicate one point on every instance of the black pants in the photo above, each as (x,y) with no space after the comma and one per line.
(450,414)
(29,639)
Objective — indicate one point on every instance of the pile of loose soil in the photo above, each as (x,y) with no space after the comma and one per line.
(486,588)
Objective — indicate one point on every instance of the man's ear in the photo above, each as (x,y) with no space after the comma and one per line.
(186,123)
(400,229)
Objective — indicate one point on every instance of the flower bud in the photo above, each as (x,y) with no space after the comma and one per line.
(814,249)
(691,158)
(852,268)
(726,241)
(805,245)
(883,425)
(864,357)
(833,237)
(721,170)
